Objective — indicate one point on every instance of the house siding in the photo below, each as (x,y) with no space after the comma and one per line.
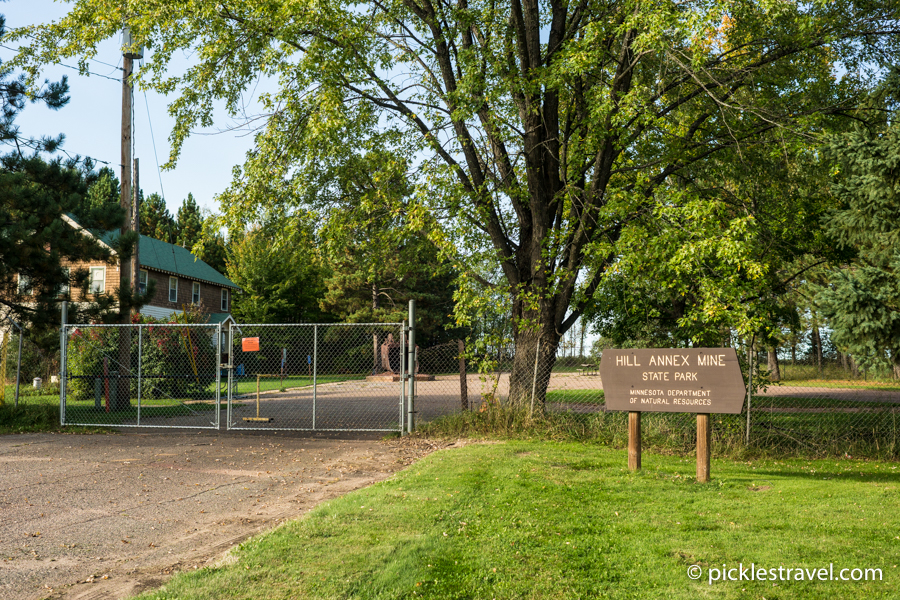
(159,305)
(210,294)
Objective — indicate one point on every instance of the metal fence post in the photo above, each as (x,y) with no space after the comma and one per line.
(402,374)
(139,356)
(218,375)
(315,369)
(18,361)
(230,382)
(411,371)
(749,384)
(537,353)
(64,317)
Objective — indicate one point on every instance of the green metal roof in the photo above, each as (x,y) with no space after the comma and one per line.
(162,256)
(216,318)
(168,258)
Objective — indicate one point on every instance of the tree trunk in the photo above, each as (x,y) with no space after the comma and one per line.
(774,370)
(581,350)
(463,383)
(375,353)
(524,378)
(816,346)
(854,368)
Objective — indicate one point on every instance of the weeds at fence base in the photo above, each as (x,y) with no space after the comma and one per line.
(789,435)
(35,418)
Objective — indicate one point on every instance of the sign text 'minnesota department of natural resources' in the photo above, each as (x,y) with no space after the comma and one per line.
(702,380)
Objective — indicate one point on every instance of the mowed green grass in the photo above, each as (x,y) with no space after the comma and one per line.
(550,520)
(575,396)
(247,385)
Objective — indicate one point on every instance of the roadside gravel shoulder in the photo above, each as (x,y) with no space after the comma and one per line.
(107,516)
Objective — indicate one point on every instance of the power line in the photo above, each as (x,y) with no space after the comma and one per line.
(153,139)
(68,66)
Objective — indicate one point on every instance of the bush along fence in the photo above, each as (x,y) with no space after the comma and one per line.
(147,373)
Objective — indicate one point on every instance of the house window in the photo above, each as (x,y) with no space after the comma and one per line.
(195,293)
(98,280)
(142,281)
(24,284)
(64,288)
(225,299)
(173,289)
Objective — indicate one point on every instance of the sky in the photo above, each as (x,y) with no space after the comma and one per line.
(92,119)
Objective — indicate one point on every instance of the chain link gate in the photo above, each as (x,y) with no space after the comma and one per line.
(141,375)
(316,377)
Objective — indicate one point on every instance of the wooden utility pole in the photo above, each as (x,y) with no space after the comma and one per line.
(126,274)
(128,270)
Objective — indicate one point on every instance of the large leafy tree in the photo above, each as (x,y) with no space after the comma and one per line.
(279,273)
(538,130)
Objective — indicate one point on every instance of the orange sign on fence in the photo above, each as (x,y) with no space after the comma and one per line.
(250,344)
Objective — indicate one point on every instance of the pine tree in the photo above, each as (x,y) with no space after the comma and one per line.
(863,301)
(213,247)
(189,223)
(35,239)
(156,221)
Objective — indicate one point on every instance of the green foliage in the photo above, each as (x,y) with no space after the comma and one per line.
(28,417)
(212,247)
(167,358)
(189,223)
(279,271)
(862,300)
(35,197)
(156,222)
(556,138)
(103,191)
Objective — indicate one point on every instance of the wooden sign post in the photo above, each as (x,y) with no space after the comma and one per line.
(634,441)
(704,440)
(699,380)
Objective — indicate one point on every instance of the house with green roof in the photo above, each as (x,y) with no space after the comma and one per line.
(180,278)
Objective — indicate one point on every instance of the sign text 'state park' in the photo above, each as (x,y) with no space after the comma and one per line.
(698,380)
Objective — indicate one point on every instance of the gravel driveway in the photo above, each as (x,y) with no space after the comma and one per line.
(107,516)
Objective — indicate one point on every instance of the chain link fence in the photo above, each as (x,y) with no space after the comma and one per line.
(142,375)
(351,377)
(316,377)
(805,404)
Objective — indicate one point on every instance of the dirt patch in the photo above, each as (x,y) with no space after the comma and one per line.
(108,516)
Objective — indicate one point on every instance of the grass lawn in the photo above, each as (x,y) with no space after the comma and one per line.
(575,396)
(552,520)
(852,384)
(793,402)
(246,385)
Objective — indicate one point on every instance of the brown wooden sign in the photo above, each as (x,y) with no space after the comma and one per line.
(697,380)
